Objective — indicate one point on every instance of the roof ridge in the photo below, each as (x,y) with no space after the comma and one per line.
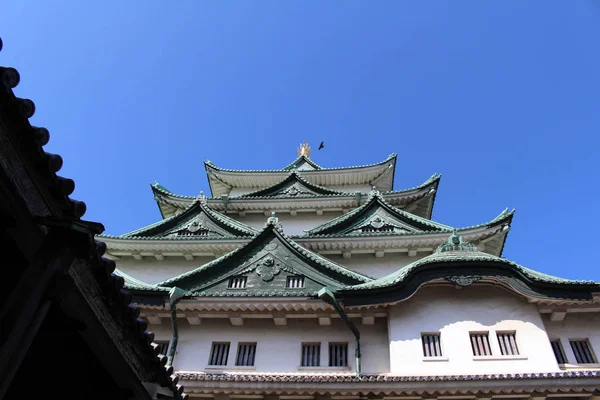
(201,203)
(374,195)
(213,166)
(302,157)
(133,283)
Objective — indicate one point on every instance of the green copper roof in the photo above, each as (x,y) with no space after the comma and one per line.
(210,165)
(376,214)
(265,262)
(455,250)
(135,284)
(198,221)
(293,186)
(300,162)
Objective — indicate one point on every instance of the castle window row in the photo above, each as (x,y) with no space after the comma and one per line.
(292,282)
(310,356)
(582,350)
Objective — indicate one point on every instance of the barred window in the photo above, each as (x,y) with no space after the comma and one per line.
(338,354)
(583,351)
(219,353)
(311,355)
(245,354)
(294,282)
(480,343)
(431,345)
(508,344)
(237,282)
(559,353)
(163,347)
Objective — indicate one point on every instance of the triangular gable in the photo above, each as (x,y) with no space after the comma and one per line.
(269,265)
(377,216)
(294,186)
(197,221)
(302,163)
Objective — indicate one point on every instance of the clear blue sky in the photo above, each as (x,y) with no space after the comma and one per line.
(502,98)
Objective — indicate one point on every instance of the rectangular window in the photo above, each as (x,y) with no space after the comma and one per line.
(294,282)
(508,344)
(219,353)
(311,355)
(338,354)
(245,354)
(559,353)
(163,347)
(431,345)
(238,282)
(583,351)
(480,343)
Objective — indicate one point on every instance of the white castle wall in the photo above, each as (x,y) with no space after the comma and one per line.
(574,327)
(375,267)
(152,271)
(278,348)
(455,313)
(292,225)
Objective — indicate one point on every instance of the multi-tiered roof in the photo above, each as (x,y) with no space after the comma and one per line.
(378,221)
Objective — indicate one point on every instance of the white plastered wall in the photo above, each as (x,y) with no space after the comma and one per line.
(152,271)
(575,327)
(457,312)
(278,348)
(292,225)
(372,266)
(345,188)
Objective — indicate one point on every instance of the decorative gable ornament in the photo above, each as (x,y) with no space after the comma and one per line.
(268,268)
(455,243)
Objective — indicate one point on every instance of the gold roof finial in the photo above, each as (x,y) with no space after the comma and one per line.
(304,149)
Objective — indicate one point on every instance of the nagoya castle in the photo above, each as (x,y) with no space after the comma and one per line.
(314,282)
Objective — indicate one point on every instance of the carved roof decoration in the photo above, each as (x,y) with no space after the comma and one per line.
(222,180)
(198,221)
(266,261)
(293,186)
(377,216)
(460,262)
(419,200)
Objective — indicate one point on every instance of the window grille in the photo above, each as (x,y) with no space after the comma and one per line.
(431,345)
(558,351)
(385,228)
(480,343)
(295,282)
(311,355)
(338,354)
(219,353)
(163,347)
(245,354)
(508,344)
(238,282)
(199,232)
(583,351)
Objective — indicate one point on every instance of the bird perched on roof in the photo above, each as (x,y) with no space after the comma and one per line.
(321,145)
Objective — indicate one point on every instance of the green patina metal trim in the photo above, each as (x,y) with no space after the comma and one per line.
(453,251)
(345,222)
(226,227)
